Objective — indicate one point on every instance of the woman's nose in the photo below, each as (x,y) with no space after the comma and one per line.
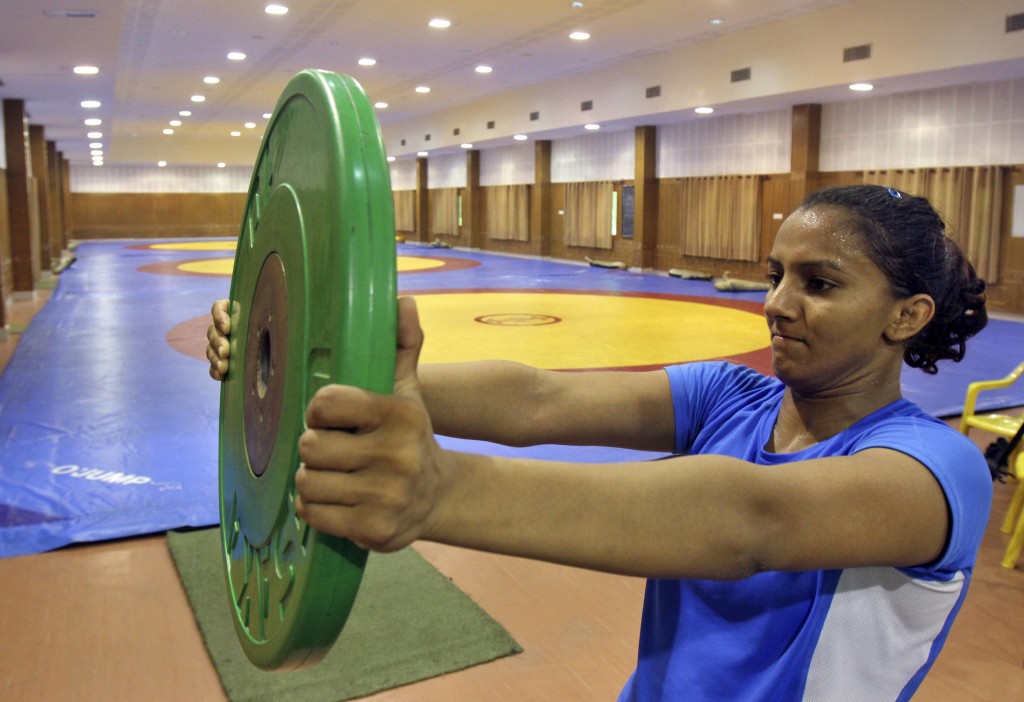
(778,302)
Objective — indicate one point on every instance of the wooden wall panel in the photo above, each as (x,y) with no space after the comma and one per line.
(155,215)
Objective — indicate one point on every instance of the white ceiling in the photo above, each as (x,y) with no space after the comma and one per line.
(154,54)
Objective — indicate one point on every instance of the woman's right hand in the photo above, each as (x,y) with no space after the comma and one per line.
(218,349)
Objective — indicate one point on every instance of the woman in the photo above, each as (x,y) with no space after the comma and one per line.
(816,533)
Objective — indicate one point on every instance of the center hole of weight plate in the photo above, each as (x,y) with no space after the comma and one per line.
(265,363)
(263,372)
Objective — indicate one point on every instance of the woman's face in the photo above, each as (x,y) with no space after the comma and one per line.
(829,308)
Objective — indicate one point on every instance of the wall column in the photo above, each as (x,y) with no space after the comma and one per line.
(422,200)
(472,202)
(56,202)
(645,191)
(65,184)
(805,150)
(23,223)
(41,175)
(540,200)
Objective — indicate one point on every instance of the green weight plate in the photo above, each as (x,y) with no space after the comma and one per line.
(313,302)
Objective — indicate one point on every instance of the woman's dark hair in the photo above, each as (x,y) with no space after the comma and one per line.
(906,238)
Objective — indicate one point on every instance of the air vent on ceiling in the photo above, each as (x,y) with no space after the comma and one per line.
(534,116)
(71,14)
(654,91)
(857,53)
(455,132)
(586,105)
(1015,23)
(403,142)
(490,124)
(739,74)
(426,137)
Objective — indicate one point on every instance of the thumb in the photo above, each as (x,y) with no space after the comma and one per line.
(410,342)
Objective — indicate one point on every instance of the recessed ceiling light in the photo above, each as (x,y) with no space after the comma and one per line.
(577,3)
(276,10)
(592,127)
(716,21)
(221,165)
(86,70)
(380,105)
(704,110)
(466,146)
(175,122)
(390,159)
(421,153)
(198,98)
(97,163)
(90,104)
(96,145)
(422,89)
(862,87)
(236,56)
(267,115)
(185,113)
(236,134)
(483,69)
(93,122)
(161,163)
(95,135)
(440,23)
(579,36)
(168,131)
(211,80)
(367,62)
(520,137)
(250,125)
(96,152)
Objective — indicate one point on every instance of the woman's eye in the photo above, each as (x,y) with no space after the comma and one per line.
(820,284)
(773,279)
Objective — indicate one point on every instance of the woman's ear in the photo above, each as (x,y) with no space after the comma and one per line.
(910,316)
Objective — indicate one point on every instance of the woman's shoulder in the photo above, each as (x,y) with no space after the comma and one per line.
(722,373)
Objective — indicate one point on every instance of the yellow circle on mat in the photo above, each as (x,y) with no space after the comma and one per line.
(418,263)
(211,266)
(592,331)
(223,266)
(196,246)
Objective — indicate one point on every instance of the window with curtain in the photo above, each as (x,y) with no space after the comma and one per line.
(444,211)
(508,212)
(720,216)
(588,214)
(969,198)
(405,210)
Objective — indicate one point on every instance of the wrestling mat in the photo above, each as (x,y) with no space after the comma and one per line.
(109,421)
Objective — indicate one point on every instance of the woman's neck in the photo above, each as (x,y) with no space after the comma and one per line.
(805,420)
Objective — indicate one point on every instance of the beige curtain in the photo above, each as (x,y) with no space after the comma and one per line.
(405,210)
(969,198)
(588,214)
(720,217)
(444,211)
(508,212)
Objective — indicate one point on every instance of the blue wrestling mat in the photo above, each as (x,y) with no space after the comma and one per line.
(109,420)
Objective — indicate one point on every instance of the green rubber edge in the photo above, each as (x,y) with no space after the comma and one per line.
(357,203)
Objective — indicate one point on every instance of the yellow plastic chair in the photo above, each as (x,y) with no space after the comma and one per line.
(1005,425)
(1014,522)
(1001,424)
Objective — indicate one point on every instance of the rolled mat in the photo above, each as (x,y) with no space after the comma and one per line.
(409,623)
